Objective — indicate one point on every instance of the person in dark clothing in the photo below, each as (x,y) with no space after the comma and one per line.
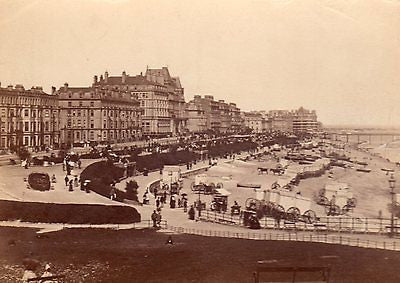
(71,185)
(154,218)
(66,180)
(184,205)
(191,213)
(157,202)
(165,197)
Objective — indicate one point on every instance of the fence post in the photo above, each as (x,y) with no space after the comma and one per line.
(340,224)
(327,223)
(366,225)
(352,225)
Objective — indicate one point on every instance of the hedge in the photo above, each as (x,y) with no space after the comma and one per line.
(67,213)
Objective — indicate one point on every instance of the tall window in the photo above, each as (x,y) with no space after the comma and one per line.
(26,112)
(26,127)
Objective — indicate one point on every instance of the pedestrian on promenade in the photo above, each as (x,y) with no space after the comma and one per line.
(155,192)
(172,202)
(63,164)
(158,217)
(154,218)
(71,185)
(53,178)
(179,203)
(157,202)
(66,180)
(76,184)
(191,213)
(165,197)
(113,193)
(184,205)
(79,164)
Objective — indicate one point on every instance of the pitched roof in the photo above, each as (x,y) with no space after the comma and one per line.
(136,80)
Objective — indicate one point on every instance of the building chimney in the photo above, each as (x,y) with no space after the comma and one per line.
(53,90)
(95,79)
(123,78)
(65,86)
(106,77)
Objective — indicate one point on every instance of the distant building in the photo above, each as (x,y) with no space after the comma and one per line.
(197,119)
(300,120)
(236,119)
(219,116)
(98,114)
(28,118)
(254,121)
(160,95)
(304,120)
(176,96)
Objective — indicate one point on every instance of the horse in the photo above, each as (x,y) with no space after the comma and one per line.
(261,170)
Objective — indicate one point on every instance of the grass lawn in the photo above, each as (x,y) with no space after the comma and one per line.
(90,255)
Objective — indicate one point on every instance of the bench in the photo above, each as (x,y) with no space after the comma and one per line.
(322,274)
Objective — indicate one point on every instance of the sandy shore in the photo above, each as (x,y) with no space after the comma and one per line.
(370,189)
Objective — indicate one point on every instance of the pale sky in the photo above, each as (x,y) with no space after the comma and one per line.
(341,58)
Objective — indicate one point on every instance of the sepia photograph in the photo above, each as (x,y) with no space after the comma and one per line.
(199,141)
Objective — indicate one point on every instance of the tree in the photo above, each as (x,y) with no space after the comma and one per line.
(131,190)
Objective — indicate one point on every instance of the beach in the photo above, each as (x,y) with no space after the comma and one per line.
(371,189)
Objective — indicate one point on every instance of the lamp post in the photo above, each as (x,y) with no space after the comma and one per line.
(199,205)
(392,184)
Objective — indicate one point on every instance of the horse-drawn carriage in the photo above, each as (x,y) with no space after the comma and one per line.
(220,202)
(171,180)
(282,205)
(337,198)
(205,184)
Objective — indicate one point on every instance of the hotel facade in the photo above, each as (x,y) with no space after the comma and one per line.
(98,114)
(28,117)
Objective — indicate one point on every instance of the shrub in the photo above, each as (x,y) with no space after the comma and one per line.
(131,190)
(67,213)
(39,181)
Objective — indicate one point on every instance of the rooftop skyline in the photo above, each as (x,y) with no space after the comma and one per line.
(338,57)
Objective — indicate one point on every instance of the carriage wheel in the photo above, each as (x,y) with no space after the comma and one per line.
(279,209)
(323,200)
(310,216)
(352,202)
(193,186)
(346,208)
(293,214)
(212,185)
(220,185)
(252,202)
(335,210)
